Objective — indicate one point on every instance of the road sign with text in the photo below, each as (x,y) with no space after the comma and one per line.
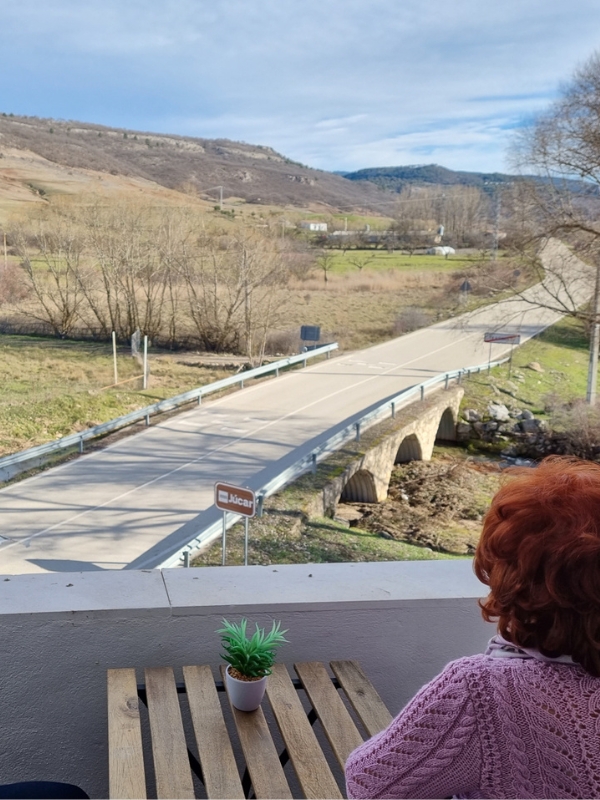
(502,338)
(235,499)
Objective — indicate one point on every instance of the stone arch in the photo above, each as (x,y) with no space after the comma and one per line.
(360,488)
(446,431)
(409,450)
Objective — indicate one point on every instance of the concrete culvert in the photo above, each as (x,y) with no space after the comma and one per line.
(446,431)
(409,450)
(360,488)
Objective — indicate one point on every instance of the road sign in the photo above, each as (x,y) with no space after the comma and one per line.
(310,333)
(502,338)
(235,499)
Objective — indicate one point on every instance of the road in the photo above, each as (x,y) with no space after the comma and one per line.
(143,497)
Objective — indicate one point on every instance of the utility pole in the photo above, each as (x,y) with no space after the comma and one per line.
(590,397)
(496,226)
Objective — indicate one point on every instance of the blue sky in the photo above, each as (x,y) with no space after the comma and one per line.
(335,84)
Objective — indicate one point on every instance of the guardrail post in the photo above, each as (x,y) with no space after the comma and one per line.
(277,370)
(422,392)
(358,431)
(241,384)
(259,505)
(393,410)
(81,445)
(328,354)
(304,362)
(313,459)
(458,379)
(447,381)
(147,420)
(199,399)
(186,558)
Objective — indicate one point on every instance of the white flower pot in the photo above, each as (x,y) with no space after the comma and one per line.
(245,695)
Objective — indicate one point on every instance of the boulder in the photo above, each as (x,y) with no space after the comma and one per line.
(526,414)
(535,366)
(471,415)
(530,425)
(498,412)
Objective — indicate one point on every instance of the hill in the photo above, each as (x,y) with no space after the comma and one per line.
(396,178)
(253,173)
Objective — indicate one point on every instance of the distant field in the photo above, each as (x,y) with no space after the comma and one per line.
(377,261)
(49,388)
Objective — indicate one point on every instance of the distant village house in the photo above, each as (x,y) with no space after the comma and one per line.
(319,227)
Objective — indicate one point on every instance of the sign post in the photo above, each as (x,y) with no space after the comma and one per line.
(239,501)
(502,338)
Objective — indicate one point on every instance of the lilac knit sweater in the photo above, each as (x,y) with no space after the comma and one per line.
(488,727)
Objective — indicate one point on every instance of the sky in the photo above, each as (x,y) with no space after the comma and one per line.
(333,84)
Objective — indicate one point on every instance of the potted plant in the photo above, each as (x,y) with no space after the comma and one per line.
(249,661)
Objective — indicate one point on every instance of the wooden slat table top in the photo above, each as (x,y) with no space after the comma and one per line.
(169,748)
(311,767)
(262,759)
(364,698)
(220,773)
(339,727)
(126,776)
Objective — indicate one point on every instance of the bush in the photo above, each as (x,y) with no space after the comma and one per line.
(410,319)
(283,343)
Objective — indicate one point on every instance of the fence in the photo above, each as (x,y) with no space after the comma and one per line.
(36,454)
(308,462)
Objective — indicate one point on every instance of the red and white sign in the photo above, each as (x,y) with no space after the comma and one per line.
(235,499)
(502,338)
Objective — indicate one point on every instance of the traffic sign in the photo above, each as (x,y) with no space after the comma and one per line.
(502,338)
(235,499)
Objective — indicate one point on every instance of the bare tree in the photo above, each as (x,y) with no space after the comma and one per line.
(562,147)
(361,260)
(51,247)
(325,262)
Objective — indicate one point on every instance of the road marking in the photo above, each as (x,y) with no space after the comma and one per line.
(224,446)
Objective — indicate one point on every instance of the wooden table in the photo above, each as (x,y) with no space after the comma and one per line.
(174,761)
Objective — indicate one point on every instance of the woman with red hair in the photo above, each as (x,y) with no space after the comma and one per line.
(522,720)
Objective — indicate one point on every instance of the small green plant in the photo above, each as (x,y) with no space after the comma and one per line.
(254,656)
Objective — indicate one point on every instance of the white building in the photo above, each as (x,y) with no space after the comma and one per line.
(320,227)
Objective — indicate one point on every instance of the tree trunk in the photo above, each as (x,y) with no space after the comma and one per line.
(594,344)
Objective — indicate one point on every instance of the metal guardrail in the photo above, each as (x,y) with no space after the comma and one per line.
(78,439)
(310,461)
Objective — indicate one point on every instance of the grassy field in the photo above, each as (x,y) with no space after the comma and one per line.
(319,541)
(381,260)
(49,388)
(561,351)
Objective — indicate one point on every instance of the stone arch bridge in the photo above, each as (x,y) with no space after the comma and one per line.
(410,436)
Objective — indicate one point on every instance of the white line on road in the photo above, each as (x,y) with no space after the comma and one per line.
(208,453)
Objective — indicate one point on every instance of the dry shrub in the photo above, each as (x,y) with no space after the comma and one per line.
(576,431)
(283,343)
(410,319)
(12,286)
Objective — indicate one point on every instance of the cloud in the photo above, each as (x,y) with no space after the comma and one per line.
(339,85)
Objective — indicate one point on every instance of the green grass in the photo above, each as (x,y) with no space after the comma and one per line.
(318,541)
(382,260)
(49,388)
(561,351)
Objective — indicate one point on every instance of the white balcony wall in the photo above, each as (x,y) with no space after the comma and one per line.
(60,632)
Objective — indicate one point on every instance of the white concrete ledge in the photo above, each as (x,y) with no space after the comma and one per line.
(294,587)
(185,592)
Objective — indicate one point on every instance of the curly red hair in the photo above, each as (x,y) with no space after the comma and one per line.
(539,553)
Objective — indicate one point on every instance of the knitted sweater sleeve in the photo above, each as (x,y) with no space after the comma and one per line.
(431,749)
